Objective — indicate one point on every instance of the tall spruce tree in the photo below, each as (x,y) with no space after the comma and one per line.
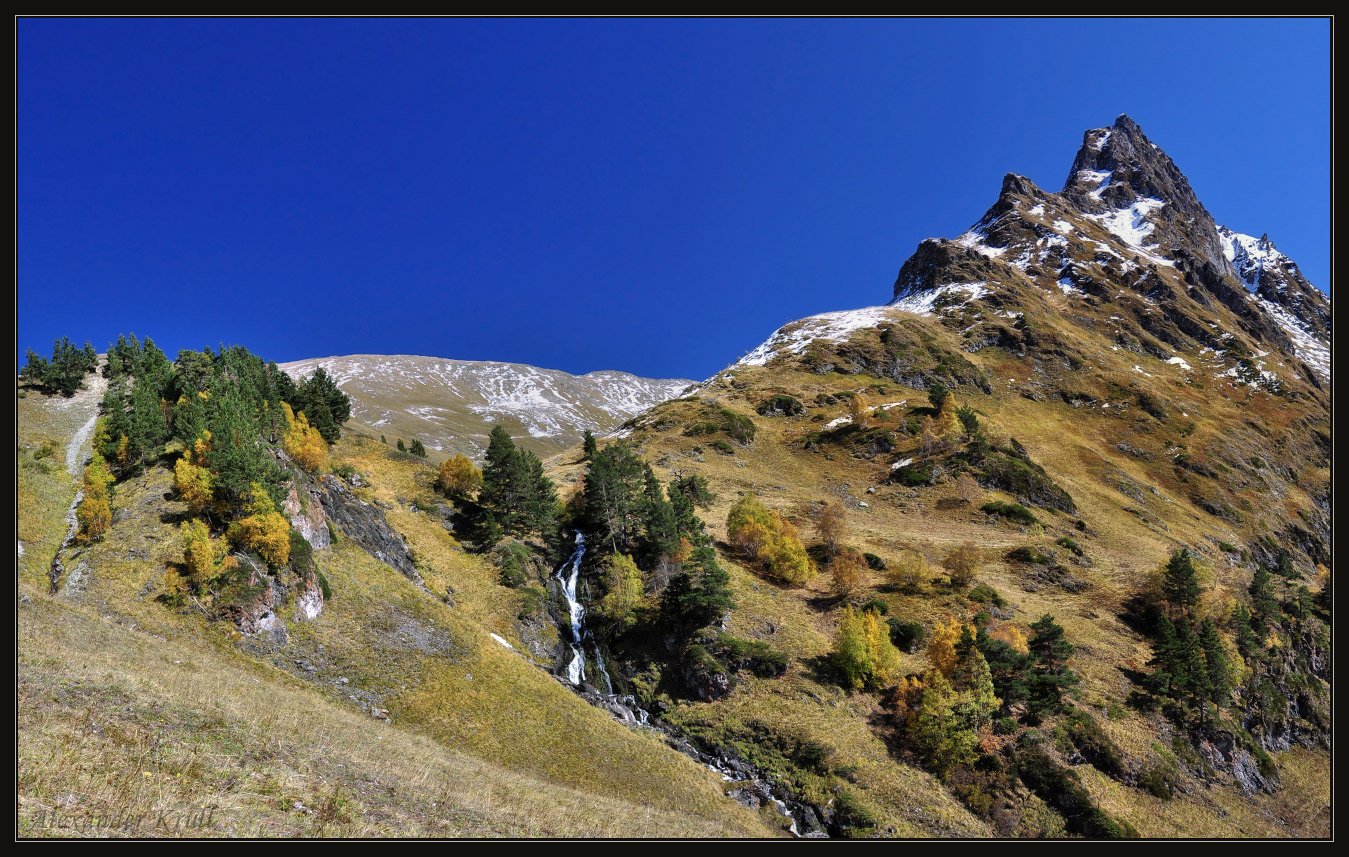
(1180,583)
(1264,603)
(1050,675)
(1221,676)
(238,457)
(1162,680)
(699,595)
(660,528)
(324,403)
(615,497)
(516,495)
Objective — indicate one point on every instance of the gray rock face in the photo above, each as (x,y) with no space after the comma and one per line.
(303,508)
(366,526)
(309,602)
(1222,752)
(256,613)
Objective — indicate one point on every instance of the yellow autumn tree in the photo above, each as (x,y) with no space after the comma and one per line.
(763,535)
(941,648)
(1012,636)
(847,571)
(458,477)
(885,656)
(302,442)
(94,514)
(859,408)
(200,448)
(909,571)
(193,484)
(863,655)
(831,524)
(198,552)
(262,528)
(962,562)
(787,558)
(749,526)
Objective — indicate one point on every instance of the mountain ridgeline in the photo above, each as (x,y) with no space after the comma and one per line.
(1039,548)
(451,405)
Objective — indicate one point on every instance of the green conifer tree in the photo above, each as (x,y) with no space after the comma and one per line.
(1180,584)
(1051,677)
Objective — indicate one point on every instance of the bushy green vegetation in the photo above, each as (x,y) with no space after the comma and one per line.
(1011,511)
(765,537)
(719,419)
(781,405)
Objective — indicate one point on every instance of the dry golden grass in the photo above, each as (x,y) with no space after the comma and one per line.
(128,706)
(122,732)
(1078,449)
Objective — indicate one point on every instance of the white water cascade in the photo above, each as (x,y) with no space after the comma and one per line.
(626,707)
(568,574)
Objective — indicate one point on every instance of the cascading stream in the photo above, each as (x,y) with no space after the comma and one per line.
(568,575)
(627,707)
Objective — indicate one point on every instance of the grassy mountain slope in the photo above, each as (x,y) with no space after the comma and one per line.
(130,707)
(1170,404)
(1079,450)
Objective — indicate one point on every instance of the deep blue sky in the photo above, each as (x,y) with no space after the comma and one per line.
(655,196)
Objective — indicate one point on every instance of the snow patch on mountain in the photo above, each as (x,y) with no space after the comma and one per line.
(1250,255)
(832,326)
(927,302)
(1098,180)
(1310,348)
(975,239)
(1131,225)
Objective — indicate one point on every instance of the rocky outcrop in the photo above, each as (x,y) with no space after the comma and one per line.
(303,508)
(309,602)
(365,525)
(254,608)
(1221,751)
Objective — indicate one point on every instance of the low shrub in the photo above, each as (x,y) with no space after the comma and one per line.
(906,634)
(1011,511)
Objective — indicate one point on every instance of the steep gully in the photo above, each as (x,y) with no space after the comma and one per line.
(75,461)
(752,789)
(74,466)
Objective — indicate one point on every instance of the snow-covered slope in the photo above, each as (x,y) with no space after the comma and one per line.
(451,405)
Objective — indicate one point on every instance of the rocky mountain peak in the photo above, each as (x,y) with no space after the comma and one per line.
(1126,223)
(1119,164)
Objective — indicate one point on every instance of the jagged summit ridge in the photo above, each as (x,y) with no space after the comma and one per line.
(1127,217)
(1128,239)
(1135,167)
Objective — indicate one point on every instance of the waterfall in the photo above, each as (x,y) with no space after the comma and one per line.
(569,574)
(753,788)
